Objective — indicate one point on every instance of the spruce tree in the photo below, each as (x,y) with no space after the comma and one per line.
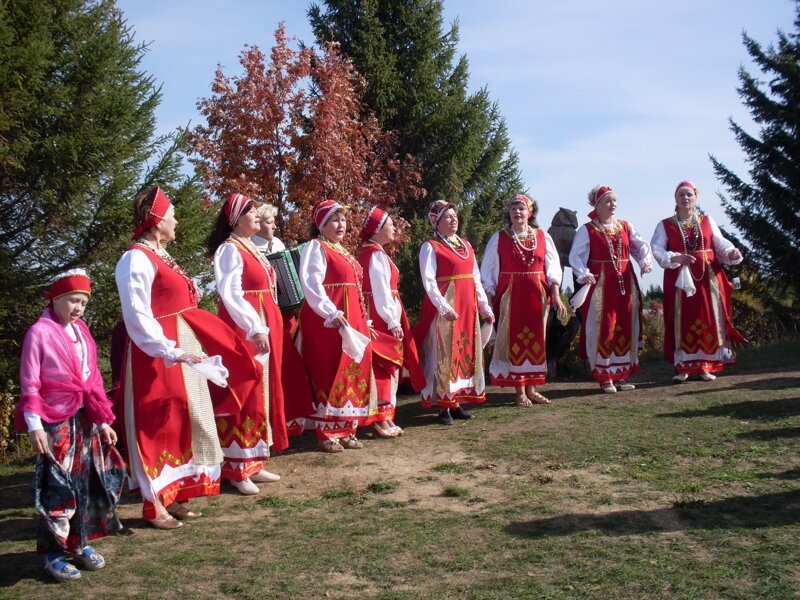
(766,209)
(77,141)
(418,87)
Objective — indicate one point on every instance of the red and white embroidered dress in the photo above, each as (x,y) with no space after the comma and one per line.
(385,309)
(451,351)
(344,390)
(246,286)
(519,279)
(166,410)
(611,316)
(698,330)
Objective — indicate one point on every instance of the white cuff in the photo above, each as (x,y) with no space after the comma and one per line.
(33,421)
(329,320)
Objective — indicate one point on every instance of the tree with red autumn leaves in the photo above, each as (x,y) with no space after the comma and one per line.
(294,130)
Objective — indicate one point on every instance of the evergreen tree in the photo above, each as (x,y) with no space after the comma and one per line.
(766,210)
(76,139)
(418,88)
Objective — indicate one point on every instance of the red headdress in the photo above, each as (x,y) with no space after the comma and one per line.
(323,210)
(522,199)
(376,218)
(234,207)
(602,191)
(156,214)
(686,184)
(437,209)
(69,282)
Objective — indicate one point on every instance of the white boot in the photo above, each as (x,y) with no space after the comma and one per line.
(264,476)
(246,487)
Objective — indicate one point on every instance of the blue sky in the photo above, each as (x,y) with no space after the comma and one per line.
(632,93)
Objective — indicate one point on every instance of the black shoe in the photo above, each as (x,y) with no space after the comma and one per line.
(460,413)
(445,418)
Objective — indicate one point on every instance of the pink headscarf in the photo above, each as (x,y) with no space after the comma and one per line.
(51,376)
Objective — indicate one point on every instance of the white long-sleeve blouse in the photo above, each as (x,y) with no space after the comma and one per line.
(490,266)
(380,275)
(579,254)
(722,246)
(427,268)
(228,270)
(135,274)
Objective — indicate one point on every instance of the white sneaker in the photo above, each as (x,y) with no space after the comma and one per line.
(246,487)
(626,387)
(707,376)
(609,389)
(680,377)
(264,476)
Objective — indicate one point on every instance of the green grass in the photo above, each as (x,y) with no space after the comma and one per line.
(680,492)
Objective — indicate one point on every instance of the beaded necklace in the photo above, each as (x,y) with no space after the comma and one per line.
(526,254)
(454,245)
(247,245)
(697,238)
(614,253)
(354,264)
(172,264)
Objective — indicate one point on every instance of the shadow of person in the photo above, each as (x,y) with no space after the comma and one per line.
(768,510)
(749,410)
(767,435)
(19,566)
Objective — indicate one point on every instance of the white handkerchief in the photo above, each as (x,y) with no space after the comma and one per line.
(262,357)
(212,369)
(579,297)
(354,343)
(685,282)
(487,332)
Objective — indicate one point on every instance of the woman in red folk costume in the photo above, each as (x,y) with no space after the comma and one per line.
(174,452)
(611,314)
(248,304)
(521,273)
(334,336)
(698,330)
(393,346)
(448,334)
(63,406)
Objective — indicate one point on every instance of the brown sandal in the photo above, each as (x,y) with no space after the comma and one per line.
(523,400)
(538,398)
(331,446)
(383,433)
(181,511)
(351,443)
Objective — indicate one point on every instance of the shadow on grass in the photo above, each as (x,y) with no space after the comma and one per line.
(19,566)
(751,410)
(768,383)
(769,510)
(790,474)
(771,434)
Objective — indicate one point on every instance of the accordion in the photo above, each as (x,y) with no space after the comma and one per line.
(286,264)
